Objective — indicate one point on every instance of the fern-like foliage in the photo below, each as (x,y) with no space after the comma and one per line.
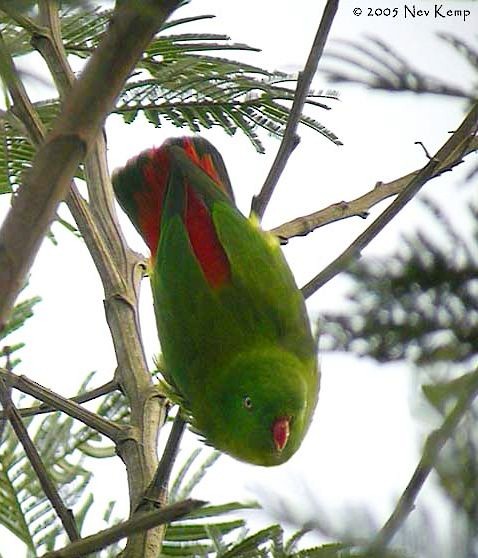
(16,151)
(24,509)
(184,85)
(420,304)
(375,64)
(20,314)
(189,88)
(210,532)
(203,531)
(15,157)
(62,445)
(177,81)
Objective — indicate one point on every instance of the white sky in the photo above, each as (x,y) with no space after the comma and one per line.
(364,442)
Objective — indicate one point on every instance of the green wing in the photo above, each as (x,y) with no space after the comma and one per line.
(262,277)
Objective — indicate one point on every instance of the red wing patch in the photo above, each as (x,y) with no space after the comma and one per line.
(204,241)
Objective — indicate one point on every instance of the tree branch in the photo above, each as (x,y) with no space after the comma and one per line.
(290,139)
(105,389)
(64,514)
(22,108)
(19,18)
(359,207)
(106,427)
(433,445)
(156,493)
(138,523)
(454,148)
(74,132)
(121,271)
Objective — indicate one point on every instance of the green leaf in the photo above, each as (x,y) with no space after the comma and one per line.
(16,155)
(250,545)
(332,550)
(82,512)
(109,511)
(211,511)
(441,394)
(188,550)
(20,314)
(182,532)
(180,489)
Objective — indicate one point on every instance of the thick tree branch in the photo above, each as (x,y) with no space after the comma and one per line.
(360,207)
(454,148)
(290,139)
(433,445)
(138,523)
(64,514)
(74,131)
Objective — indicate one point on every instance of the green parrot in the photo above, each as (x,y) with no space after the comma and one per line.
(233,327)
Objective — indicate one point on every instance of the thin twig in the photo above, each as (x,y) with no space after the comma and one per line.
(64,514)
(22,108)
(50,45)
(104,389)
(456,145)
(139,522)
(106,427)
(19,18)
(359,207)
(433,445)
(156,493)
(290,139)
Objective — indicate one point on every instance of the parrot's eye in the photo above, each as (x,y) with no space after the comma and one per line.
(247,402)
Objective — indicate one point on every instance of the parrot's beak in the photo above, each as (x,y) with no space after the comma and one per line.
(280,432)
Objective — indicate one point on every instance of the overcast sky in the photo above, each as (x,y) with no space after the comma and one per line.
(364,442)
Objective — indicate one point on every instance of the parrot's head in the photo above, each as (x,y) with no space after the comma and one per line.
(263,409)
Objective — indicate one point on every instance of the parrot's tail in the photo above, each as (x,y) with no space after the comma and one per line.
(141,185)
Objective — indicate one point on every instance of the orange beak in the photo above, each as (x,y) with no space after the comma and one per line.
(280,432)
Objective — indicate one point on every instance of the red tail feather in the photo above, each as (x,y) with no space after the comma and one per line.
(150,199)
(148,196)
(205,163)
(141,187)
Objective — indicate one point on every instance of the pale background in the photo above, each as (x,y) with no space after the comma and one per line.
(365,439)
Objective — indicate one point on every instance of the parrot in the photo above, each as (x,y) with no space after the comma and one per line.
(235,337)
